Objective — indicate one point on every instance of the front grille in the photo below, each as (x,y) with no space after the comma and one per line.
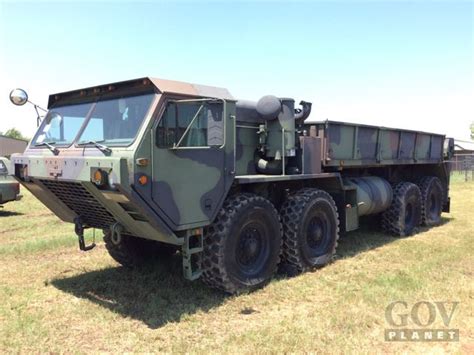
(81,201)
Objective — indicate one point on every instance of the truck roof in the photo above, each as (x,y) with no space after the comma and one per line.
(140,85)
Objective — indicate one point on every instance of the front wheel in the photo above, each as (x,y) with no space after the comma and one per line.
(242,246)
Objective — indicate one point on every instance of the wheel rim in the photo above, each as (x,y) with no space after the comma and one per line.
(318,234)
(252,248)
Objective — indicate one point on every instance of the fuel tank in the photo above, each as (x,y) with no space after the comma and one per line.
(374,194)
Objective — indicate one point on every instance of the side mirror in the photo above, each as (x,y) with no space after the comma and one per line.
(18,97)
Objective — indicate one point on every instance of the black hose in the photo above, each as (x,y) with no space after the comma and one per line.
(302,114)
(263,166)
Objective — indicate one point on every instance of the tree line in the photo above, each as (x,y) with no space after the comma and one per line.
(14,133)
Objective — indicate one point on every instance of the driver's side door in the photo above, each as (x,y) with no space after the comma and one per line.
(191,170)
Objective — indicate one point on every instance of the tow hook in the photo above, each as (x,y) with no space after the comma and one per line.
(79,229)
(116,233)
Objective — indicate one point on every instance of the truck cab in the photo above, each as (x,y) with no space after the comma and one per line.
(148,158)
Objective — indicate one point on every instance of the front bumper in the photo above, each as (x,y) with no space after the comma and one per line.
(64,185)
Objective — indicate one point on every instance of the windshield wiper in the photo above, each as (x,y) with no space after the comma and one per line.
(101,147)
(49,145)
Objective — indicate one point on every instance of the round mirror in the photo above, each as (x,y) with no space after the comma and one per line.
(18,97)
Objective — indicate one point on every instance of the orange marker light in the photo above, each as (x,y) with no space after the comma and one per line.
(143,180)
(98,177)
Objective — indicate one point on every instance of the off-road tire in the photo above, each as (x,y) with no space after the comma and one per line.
(133,251)
(431,200)
(242,217)
(309,217)
(403,216)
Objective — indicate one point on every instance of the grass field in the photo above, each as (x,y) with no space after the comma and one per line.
(55,298)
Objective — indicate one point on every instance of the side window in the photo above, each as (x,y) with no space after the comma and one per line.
(191,124)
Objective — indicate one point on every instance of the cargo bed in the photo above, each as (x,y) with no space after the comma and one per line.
(355,145)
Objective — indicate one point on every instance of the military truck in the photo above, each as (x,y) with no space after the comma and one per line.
(9,187)
(238,187)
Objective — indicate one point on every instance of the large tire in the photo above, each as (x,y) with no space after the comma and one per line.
(404,214)
(133,251)
(310,229)
(242,247)
(431,200)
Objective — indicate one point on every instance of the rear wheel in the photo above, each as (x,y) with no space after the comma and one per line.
(431,200)
(404,214)
(311,229)
(242,246)
(132,251)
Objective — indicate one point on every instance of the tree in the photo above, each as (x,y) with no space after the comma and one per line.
(14,133)
(472,130)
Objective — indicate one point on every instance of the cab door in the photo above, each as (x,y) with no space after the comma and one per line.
(191,170)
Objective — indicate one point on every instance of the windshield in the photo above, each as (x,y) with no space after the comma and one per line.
(116,121)
(109,121)
(61,124)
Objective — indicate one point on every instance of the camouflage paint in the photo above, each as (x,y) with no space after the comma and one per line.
(189,184)
(310,152)
(185,179)
(353,145)
(246,142)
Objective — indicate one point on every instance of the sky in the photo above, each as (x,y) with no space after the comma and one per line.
(404,64)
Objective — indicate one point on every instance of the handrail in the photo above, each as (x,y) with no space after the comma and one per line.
(189,127)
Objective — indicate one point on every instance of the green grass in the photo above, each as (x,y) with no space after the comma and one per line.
(58,299)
